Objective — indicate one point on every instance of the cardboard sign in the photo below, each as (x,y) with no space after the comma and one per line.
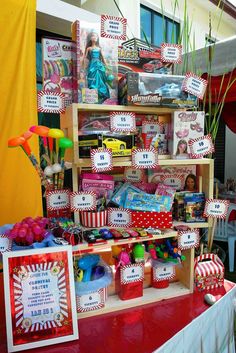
(216,208)
(91,301)
(83,201)
(188,239)
(131,273)
(101,160)
(118,217)
(171,53)
(5,243)
(163,272)
(57,200)
(122,122)
(201,146)
(144,158)
(133,175)
(50,102)
(194,85)
(173,180)
(39,297)
(113,27)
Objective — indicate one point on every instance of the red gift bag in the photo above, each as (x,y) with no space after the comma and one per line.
(161,274)
(129,281)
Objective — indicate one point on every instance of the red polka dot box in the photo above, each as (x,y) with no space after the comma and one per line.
(161,220)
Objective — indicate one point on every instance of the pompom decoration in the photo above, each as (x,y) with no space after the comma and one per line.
(56,168)
(48,171)
(28,231)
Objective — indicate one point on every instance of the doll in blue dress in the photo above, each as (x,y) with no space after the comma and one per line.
(96,69)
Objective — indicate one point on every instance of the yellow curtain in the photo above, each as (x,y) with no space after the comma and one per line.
(20,192)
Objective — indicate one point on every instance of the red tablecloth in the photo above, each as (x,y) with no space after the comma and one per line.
(138,330)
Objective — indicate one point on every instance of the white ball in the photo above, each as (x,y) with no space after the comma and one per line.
(48,171)
(56,168)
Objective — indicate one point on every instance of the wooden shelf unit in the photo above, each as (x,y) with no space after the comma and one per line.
(183,283)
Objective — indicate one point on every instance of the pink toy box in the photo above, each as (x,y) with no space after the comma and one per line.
(95,65)
(186,125)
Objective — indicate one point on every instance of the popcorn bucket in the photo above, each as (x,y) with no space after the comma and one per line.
(93,219)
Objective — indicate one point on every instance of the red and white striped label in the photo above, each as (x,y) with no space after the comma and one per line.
(101,160)
(194,84)
(143,158)
(201,146)
(83,201)
(94,219)
(113,27)
(118,217)
(176,181)
(171,53)
(131,273)
(5,243)
(188,239)
(51,102)
(216,208)
(91,301)
(57,200)
(122,122)
(163,272)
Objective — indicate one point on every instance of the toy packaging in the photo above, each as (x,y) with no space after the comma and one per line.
(194,207)
(157,175)
(95,65)
(135,55)
(57,67)
(186,125)
(209,272)
(101,184)
(120,145)
(154,89)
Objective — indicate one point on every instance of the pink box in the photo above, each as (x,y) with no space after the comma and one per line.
(186,125)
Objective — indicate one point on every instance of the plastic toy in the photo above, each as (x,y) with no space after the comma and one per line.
(123,259)
(97,272)
(86,263)
(152,251)
(152,66)
(105,233)
(114,144)
(116,233)
(138,253)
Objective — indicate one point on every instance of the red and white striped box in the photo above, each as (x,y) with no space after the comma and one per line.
(93,219)
(91,301)
(209,272)
(129,281)
(145,219)
(162,273)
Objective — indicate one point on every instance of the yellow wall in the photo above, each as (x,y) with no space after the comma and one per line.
(20,192)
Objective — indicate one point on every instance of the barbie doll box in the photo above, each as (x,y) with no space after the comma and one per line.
(186,125)
(95,64)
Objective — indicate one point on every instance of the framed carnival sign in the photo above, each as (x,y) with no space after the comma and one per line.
(39,298)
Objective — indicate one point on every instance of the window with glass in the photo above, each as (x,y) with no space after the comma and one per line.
(157,28)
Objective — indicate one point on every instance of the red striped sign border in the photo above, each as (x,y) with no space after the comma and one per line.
(42,109)
(93,152)
(123,21)
(73,196)
(190,75)
(177,46)
(200,155)
(209,201)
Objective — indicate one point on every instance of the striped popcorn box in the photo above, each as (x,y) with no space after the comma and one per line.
(93,219)
(209,272)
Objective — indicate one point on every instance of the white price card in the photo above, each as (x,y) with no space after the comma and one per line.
(194,85)
(101,159)
(122,122)
(118,217)
(132,273)
(113,27)
(83,201)
(5,243)
(133,175)
(144,158)
(91,301)
(188,239)
(57,199)
(161,273)
(151,127)
(201,146)
(173,180)
(216,208)
(51,102)
(171,53)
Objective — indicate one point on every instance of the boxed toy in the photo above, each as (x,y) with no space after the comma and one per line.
(57,67)
(95,65)
(154,89)
(135,55)
(186,125)
(194,207)
(120,145)
(209,272)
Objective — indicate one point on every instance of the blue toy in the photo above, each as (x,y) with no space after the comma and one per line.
(86,263)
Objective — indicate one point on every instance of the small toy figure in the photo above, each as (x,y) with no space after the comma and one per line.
(96,69)
(190,183)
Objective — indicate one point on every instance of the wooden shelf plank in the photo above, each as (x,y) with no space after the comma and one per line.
(150,295)
(192,225)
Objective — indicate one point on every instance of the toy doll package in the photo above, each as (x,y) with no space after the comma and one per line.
(57,67)
(95,65)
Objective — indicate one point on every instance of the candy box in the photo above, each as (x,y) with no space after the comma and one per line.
(161,274)
(186,125)
(208,272)
(129,281)
(93,219)
(154,89)
(95,64)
